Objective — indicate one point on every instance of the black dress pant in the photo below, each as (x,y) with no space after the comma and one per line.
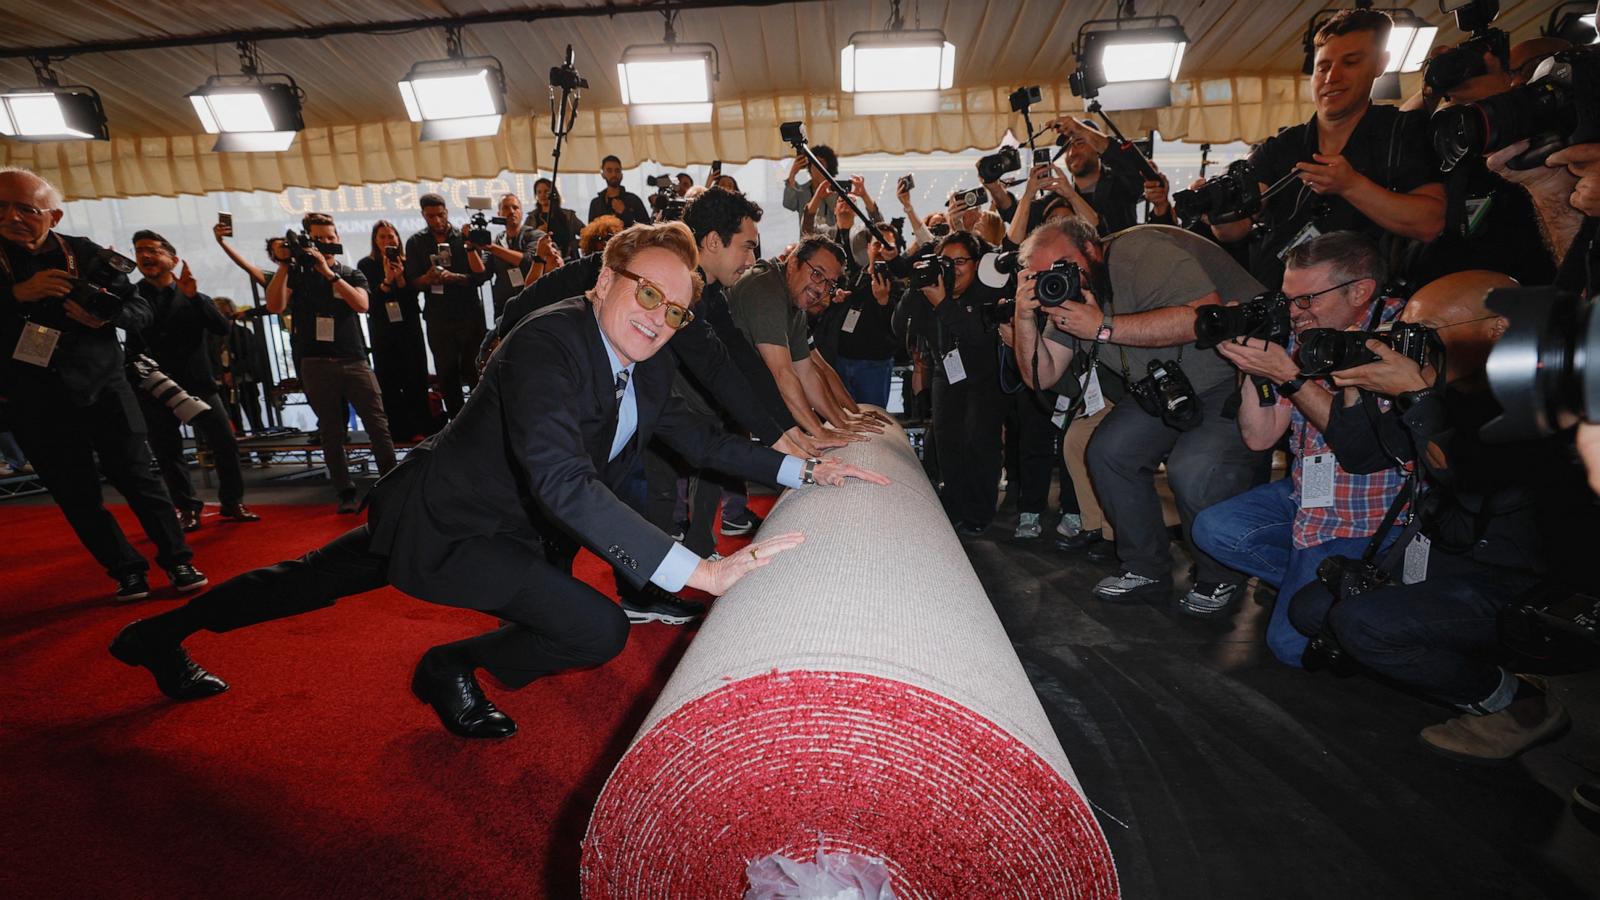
(555,622)
(1031,449)
(967,419)
(400,361)
(212,427)
(62,441)
(247,405)
(455,357)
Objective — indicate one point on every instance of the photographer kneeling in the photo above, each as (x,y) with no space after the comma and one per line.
(1136,304)
(1280,532)
(1493,516)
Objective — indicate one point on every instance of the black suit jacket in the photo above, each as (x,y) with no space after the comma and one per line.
(176,337)
(525,464)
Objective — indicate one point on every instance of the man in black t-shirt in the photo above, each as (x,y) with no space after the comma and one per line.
(1361,167)
(324,297)
(453,310)
(615,200)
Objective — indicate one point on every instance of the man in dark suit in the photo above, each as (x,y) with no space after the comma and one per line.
(489,513)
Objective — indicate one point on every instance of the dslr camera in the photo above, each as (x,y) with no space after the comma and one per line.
(93,290)
(992,167)
(669,206)
(1449,69)
(1560,106)
(1345,579)
(479,234)
(1056,285)
(1265,317)
(299,242)
(1325,350)
(931,270)
(1229,197)
(1545,370)
(1167,394)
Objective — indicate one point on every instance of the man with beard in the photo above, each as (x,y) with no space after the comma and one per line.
(1114,189)
(614,200)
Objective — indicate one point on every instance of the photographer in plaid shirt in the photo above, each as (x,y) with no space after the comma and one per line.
(1279,532)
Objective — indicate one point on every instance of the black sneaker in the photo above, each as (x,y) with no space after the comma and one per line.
(652,604)
(347,503)
(744,523)
(186,578)
(1208,598)
(132,586)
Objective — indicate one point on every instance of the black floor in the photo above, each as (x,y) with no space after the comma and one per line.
(1217,772)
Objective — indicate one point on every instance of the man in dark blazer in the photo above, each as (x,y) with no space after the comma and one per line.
(489,513)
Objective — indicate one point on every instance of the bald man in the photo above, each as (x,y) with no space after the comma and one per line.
(1496,520)
(63,384)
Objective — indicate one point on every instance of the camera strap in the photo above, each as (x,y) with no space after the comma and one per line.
(72,261)
(1390,518)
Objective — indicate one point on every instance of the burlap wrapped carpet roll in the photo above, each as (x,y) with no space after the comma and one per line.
(860,695)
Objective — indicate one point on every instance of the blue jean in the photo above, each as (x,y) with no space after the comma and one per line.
(1253,532)
(1438,636)
(867,380)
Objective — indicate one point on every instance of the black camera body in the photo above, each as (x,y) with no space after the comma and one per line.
(93,289)
(669,206)
(1325,350)
(1167,394)
(1345,579)
(1229,197)
(972,198)
(992,167)
(299,242)
(1265,317)
(931,271)
(1025,97)
(479,234)
(1058,284)
(1450,69)
(391,253)
(792,132)
(1559,107)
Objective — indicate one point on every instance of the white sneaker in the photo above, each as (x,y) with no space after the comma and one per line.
(1027,526)
(1070,525)
(1126,586)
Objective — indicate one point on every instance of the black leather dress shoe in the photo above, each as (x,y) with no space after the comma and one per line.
(455,695)
(178,676)
(1102,551)
(1082,540)
(189,519)
(239,513)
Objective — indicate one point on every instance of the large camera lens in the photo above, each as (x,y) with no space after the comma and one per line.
(1545,370)
(1324,350)
(1543,108)
(1058,284)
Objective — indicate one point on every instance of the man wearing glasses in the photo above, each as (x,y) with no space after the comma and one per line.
(1280,532)
(489,513)
(64,390)
(769,306)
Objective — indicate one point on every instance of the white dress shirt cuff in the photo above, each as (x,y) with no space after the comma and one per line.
(675,569)
(789,473)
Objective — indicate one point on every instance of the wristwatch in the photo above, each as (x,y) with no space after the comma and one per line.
(336,278)
(1104,334)
(1288,388)
(809,474)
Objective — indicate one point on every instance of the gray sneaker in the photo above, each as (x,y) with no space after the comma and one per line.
(1070,525)
(1207,599)
(1127,586)
(1027,526)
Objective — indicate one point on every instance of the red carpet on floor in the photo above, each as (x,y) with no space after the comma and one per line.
(318,774)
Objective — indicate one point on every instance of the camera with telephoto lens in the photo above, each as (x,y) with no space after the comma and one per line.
(932,271)
(1345,579)
(299,242)
(93,289)
(1167,394)
(148,375)
(1265,317)
(1325,350)
(1558,107)
(669,206)
(1229,197)
(1545,370)
(993,166)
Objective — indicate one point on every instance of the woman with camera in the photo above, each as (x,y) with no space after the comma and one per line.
(949,328)
(394,322)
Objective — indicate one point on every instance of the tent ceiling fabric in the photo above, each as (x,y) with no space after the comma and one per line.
(1240,81)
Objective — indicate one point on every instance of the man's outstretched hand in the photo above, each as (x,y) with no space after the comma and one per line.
(832,471)
(717,577)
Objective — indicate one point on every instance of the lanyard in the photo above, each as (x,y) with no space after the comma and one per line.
(72,262)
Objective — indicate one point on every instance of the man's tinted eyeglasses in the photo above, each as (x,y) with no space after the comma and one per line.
(649,295)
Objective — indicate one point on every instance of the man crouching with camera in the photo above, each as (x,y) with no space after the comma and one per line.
(1135,313)
(1280,532)
(61,301)
(1491,518)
